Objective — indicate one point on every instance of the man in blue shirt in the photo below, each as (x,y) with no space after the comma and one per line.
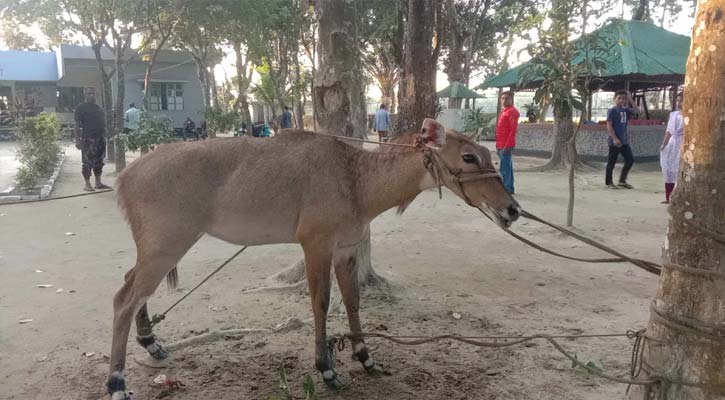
(617,119)
(381,123)
(286,122)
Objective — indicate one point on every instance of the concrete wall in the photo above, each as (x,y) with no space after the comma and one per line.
(538,140)
(183,72)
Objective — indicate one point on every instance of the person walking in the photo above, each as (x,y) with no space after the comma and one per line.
(670,149)
(617,120)
(132,118)
(90,131)
(286,120)
(506,129)
(381,123)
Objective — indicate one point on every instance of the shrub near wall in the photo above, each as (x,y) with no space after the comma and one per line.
(153,130)
(39,150)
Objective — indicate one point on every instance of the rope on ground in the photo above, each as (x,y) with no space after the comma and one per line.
(517,340)
(157,318)
(645,265)
(70,196)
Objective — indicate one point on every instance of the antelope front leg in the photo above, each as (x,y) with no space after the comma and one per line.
(318,260)
(347,279)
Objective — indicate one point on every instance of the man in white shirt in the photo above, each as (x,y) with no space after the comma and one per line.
(132,117)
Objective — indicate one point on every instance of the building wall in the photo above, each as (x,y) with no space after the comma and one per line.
(591,143)
(183,72)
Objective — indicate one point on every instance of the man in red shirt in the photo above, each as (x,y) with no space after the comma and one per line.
(506,127)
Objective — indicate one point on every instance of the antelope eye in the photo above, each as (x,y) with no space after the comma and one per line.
(469,159)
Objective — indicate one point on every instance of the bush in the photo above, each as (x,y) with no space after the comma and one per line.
(221,121)
(481,123)
(152,131)
(39,148)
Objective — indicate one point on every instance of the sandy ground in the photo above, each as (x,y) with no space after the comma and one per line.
(496,284)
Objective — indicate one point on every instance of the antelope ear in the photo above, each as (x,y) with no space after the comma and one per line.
(433,133)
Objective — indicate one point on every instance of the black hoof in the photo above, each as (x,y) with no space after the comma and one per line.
(160,353)
(152,346)
(334,383)
(375,369)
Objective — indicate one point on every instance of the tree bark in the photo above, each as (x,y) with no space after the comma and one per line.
(213,90)
(417,98)
(107,99)
(299,107)
(120,98)
(688,307)
(642,11)
(339,94)
(203,80)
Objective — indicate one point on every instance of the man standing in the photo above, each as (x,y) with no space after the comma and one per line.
(617,118)
(132,118)
(286,122)
(506,127)
(90,139)
(381,123)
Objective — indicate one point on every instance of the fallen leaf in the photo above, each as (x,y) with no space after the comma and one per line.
(25,321)
(70,234)
(60,290)
(89,353)
(44,286)
(456,315)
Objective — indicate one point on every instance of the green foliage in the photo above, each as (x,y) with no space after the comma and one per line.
(476,120)
(152,131)
(308,387)
(222,121)
(39,148)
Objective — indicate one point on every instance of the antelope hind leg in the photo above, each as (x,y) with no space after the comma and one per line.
(145,336)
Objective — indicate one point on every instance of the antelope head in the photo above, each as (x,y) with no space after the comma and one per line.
(465,168)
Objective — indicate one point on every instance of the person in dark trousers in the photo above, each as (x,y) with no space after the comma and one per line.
(381,123)
(90,131)
(189,128)
(286,122)
(506,128)
(617,119)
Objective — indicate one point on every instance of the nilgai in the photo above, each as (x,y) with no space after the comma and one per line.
(297,187)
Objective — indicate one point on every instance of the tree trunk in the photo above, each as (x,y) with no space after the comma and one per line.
(107,99)
(684,339)
(416,94)
(642,11)
(149,68)
(338,83)
(203,81)
(562,155)
(299,108)
(118,115)
(388,94)
(211,78)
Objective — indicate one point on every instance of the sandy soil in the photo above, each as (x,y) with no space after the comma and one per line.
(497,285)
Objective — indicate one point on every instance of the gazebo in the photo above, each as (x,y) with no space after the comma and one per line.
(639,57)
(456,92)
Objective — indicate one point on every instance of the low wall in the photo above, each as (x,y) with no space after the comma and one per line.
(538,140)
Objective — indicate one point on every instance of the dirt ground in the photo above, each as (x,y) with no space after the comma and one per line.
(496,284)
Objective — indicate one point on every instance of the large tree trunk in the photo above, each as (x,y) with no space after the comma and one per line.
(340,99)
(562,155)
(213,89)
(150,67)
(416,94)
(685,340)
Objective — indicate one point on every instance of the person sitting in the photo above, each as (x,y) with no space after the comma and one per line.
(189,128)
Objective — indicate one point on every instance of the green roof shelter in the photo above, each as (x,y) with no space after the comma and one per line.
(457,91)
(639,56)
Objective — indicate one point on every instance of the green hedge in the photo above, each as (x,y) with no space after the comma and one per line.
(39,150)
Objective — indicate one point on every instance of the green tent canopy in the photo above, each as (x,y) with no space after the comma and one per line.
(457,90)
(639,56)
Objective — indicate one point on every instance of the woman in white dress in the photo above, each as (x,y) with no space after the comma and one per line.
(670,149)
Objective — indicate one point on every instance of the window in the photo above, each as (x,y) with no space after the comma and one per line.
(166,96)
(69,98)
